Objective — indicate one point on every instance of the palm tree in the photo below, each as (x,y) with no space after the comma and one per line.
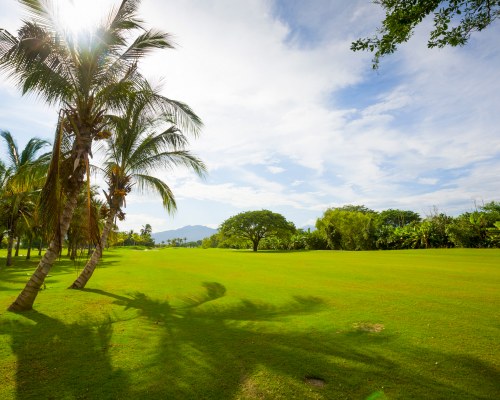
(144,142)
(89,77)
(22,180)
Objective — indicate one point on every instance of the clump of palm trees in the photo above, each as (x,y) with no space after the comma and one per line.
(102,97)
(20,182)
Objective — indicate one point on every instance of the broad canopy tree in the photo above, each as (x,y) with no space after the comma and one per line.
(454,21)
(255,226)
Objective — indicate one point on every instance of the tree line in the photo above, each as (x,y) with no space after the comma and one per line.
(356,227)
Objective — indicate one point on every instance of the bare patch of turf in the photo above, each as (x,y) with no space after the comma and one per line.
(368,327)
(315,381)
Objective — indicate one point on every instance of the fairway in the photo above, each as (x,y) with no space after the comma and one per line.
(221,324)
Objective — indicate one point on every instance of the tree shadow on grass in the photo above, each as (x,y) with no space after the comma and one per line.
(209,348)
(21,272)
(63,361)
(215,350)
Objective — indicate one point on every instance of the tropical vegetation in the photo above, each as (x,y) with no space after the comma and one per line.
(90,77)
(20,182)
(356,227)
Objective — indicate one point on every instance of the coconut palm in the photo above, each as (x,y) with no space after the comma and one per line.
(23,178)
(88,77)
(145,141)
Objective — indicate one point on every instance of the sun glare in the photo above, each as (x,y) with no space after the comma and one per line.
(77,16)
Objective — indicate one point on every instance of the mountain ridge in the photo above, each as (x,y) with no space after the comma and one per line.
(192,233)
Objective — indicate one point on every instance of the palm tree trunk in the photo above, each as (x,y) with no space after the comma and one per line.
(27,297)
(10,246)
(28,254)
(89,269)
(40,247)
(17,246)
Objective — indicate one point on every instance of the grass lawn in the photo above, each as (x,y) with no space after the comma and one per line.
(221,324)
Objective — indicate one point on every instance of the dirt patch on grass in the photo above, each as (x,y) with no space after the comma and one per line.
(368,327)
(315,381)
(249,389)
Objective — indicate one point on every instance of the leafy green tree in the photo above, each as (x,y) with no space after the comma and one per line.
(356,208)
(494,235)
(469,229)
(21,182)
(492,213)
(211,241)
(439,235)
(492,206)
(316,241)
(347,228)
(255,226)
(89,77)
(144,141)
(454,22)
(397,217)
(388,221)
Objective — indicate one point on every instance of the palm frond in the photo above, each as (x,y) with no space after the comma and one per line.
(36,63)
(40,11)
(170,159)
(50,197)
(12,149)
(151,183)
(29,152)
(180,114)
(153,144)
(147,42)
(125,17)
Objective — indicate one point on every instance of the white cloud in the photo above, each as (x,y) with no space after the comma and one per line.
(428,181)
(275,170)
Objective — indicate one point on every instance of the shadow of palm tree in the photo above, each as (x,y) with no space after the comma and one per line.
(74,362)
(212,349)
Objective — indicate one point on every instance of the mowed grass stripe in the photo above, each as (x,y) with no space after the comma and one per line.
(223,324)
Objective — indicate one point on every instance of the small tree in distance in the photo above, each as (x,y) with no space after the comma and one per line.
(255,226)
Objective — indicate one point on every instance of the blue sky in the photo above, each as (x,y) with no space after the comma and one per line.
(295,122)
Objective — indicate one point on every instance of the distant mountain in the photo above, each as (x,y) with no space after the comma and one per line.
(307,227)
(191,233)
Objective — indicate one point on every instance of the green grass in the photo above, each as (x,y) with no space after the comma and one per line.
(216,324)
